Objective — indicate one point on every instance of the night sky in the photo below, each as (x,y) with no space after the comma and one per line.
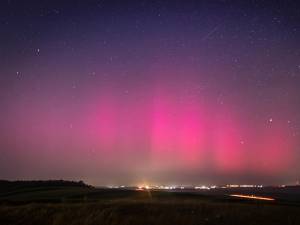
(160,92)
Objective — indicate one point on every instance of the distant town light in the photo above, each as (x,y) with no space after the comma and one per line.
(202,187)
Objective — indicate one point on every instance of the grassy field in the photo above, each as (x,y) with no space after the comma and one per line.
(85,205)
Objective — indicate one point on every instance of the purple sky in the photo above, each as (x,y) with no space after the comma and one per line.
(189,92)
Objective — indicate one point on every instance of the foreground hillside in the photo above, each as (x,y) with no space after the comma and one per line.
(83,205)
(147,212)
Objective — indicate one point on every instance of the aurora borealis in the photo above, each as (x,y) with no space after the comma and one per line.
(116,92)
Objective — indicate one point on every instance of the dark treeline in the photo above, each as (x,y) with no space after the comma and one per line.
(5,184)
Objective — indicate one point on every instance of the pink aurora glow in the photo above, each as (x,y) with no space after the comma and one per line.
(145,131)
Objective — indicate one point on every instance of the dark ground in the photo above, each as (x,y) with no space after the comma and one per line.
(41,203)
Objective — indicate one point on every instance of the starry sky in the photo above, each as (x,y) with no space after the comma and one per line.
(162,92)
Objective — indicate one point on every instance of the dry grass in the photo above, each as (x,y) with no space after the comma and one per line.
(131,212)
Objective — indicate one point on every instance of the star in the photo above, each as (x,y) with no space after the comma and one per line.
(19,75)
